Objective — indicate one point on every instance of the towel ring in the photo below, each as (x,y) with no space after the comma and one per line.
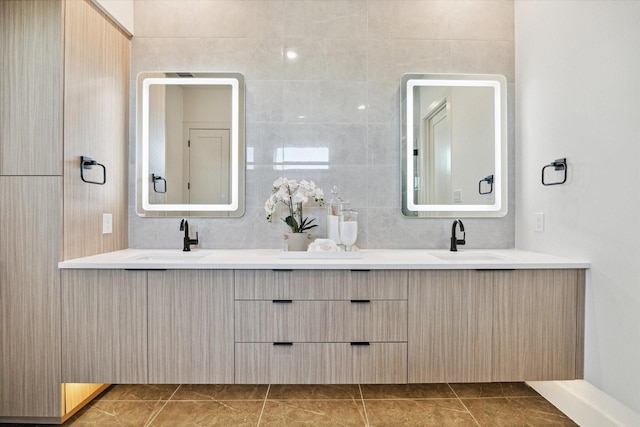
(557,165)
(488,180)
(89,163)
(155,178)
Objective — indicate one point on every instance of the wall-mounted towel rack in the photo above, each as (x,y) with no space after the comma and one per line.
(489,181)
(559,165)
(155,178)
(89,163)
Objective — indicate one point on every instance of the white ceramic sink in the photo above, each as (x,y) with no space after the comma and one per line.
(469,256)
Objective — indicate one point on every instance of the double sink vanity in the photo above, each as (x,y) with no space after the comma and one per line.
(253,316)
(391,316)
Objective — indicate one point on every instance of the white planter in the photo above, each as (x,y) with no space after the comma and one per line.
(297,241)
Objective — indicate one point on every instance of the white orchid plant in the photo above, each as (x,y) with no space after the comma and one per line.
(293,195)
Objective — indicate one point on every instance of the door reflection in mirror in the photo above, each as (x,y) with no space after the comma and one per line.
(189,128)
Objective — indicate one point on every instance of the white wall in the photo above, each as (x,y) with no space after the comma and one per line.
(578,96)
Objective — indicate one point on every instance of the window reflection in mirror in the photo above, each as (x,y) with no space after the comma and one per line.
(454,145)
(191,150)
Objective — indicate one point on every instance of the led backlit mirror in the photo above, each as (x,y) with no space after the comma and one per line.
(190,152)
(454,145)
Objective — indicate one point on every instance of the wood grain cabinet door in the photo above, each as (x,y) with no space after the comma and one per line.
(191,327)
(450,316)
(30,218)
(104,326)
(31,87)
(538,323)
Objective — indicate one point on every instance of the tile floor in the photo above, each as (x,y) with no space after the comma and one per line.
(478,405)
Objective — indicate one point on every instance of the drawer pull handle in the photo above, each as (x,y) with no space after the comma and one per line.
(282,301)
(360,301)
(283,343)
(360,343)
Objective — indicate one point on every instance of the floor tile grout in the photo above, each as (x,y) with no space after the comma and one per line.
(154,416)
(264,403)
(463,405)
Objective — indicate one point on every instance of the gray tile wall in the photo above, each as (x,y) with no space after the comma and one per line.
(350,53)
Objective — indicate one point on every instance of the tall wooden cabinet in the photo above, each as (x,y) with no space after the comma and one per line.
(29,296)
(31,84)
(50,71)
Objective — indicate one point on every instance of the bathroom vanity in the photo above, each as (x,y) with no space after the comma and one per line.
(250,317)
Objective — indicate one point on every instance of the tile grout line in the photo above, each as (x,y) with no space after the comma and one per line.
(264,403)
(154,416)
(464,406)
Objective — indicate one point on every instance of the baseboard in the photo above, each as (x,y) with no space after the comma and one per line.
(585,404)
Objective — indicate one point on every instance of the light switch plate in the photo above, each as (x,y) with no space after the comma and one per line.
(107,223)
(457,196)
(539,225)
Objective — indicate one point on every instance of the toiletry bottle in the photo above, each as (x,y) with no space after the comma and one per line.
(333,216)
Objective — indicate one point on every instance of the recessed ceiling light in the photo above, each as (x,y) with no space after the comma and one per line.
(291,54)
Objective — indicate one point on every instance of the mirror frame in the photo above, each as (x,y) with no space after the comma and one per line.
(498,82)
(237,151)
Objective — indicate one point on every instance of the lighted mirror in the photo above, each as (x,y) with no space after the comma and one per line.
(454,145)
(190,152)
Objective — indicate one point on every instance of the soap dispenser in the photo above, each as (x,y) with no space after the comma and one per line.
(333,216)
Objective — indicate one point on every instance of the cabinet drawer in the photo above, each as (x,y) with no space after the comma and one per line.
(320,321)
(321,363)
(320,284)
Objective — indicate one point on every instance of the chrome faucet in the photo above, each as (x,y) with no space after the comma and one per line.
(187,241)
(454,240)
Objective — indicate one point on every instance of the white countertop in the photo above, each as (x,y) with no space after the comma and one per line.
(372,259)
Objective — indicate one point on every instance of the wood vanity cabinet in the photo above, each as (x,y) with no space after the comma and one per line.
(321,326)
(503,325)
(104,326)
(328,326)
(190,329)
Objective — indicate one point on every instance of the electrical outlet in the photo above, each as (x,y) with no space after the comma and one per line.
(107,223)
(539,226)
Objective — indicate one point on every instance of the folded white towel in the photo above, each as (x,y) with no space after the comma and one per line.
(323,245)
